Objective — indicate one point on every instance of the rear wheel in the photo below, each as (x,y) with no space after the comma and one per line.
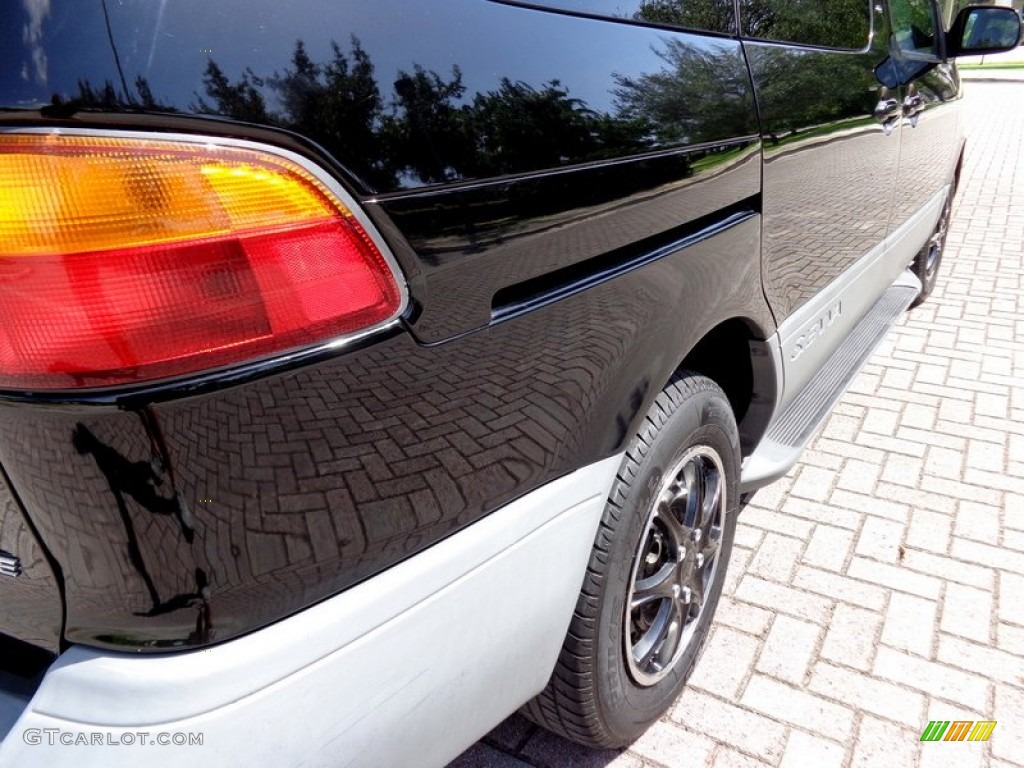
(926,263)
(655,574)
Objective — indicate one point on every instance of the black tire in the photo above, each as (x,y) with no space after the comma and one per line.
(928,260)
(605,692)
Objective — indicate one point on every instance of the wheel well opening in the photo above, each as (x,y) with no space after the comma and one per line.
(724,355)
(959,167)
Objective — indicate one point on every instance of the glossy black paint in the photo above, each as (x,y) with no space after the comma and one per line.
(830,161)
(291,487)
(474,146)
(873,132)
(575,204)
(932,114)
(30,603)
(475,244)
(397,92)
(931,131)
(562,201)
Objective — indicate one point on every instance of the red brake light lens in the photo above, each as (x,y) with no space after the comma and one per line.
(125,260)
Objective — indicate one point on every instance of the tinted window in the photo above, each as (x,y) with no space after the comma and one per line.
(913,26)
(706,15)
(842,24)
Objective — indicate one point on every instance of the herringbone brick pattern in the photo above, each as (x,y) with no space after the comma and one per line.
(31,603)
(879,585)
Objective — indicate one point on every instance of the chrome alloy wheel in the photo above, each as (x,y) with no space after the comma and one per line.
(675,565)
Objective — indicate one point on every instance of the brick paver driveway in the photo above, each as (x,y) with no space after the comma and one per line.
(881,584)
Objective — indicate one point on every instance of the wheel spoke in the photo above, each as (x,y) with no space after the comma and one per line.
(651,641)
(711,497)
(696,585)
(693,482)
(710,549)
(657,586)
(666,513)
(667,648)
(706,570)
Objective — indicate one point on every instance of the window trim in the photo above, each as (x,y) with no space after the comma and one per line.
(939,33)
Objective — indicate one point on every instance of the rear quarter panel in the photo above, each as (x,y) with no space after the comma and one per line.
(574,203)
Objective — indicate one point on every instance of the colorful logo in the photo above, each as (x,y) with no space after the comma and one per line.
(958,730)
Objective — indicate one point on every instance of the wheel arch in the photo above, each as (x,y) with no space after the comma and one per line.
(735,356)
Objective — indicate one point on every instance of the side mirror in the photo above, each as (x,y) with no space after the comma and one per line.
(984,29)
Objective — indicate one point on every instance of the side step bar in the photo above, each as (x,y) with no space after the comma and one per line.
(793,428)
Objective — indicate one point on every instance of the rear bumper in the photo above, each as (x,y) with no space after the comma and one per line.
(407,668)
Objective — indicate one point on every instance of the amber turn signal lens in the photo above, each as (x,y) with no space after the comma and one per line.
(125,260)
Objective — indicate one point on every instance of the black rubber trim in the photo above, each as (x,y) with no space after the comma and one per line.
(539,291)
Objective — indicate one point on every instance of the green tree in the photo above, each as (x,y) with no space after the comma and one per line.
(713,15)
(702,94)
(338,105)
(428,129)
(797,90)
(518,127)
(832,23)
(241,100)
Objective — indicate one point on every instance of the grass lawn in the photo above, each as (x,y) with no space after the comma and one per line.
(994,65)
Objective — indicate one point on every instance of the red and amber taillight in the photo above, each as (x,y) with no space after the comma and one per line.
(130,259)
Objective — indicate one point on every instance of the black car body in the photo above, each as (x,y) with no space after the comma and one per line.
(366,547)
